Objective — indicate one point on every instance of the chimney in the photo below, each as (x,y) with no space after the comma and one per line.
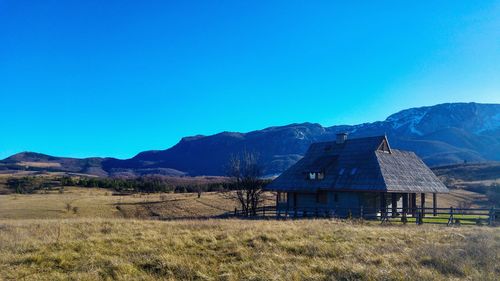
(341,138)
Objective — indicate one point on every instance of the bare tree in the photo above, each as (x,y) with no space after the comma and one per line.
(245,171)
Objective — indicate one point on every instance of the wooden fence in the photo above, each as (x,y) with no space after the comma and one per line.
(449,216)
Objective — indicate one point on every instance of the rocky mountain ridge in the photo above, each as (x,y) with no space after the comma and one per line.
(441,134)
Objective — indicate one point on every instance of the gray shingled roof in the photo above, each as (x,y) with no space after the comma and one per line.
(359,165)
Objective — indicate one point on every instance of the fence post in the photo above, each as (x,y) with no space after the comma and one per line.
(361,212)
(235,211)
(384,218)
(420,218)
(451,219)
(492,216)
(434,204)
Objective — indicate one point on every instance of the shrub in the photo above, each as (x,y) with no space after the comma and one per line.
(23,185)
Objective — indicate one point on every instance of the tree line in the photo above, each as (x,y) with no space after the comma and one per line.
(243,177)
(146,184)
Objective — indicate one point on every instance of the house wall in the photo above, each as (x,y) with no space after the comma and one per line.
(339,201)
(342,203)
(345,200)
(307,200)
(370,201)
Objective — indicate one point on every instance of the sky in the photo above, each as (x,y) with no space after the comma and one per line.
(113,78)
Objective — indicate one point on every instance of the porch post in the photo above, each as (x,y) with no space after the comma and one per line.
(405,207)
(383,204)
(422,203)
(394,203)
(413,202)
(434,204)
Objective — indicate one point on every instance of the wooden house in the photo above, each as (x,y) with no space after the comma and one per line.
(352,176)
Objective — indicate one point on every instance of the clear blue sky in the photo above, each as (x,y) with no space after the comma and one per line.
(112,78)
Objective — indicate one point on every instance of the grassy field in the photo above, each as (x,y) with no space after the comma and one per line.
(43,237)
(100,203)
(119,249)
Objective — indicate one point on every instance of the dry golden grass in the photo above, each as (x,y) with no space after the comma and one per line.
(39,164)
(107,249)
(91,203)
(41,238)
(99,203)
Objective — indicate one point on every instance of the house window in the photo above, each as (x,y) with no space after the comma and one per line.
(341,171)
(353,171)
(322,197)
(316,176)
(282,197)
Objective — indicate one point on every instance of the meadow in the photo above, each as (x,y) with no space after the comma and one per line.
(89,234)
(77,202)
(121,249)
(101,203)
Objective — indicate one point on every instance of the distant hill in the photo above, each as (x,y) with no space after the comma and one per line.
(31,161)
(484,172)
(41,162)
(442,134)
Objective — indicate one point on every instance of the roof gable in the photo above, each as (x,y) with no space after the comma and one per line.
(384,146)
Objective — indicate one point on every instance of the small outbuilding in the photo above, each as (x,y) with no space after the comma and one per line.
(356,176)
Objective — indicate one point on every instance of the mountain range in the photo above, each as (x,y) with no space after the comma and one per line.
(441,134)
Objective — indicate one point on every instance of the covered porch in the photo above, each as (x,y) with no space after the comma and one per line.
(404,205)
(357,204)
